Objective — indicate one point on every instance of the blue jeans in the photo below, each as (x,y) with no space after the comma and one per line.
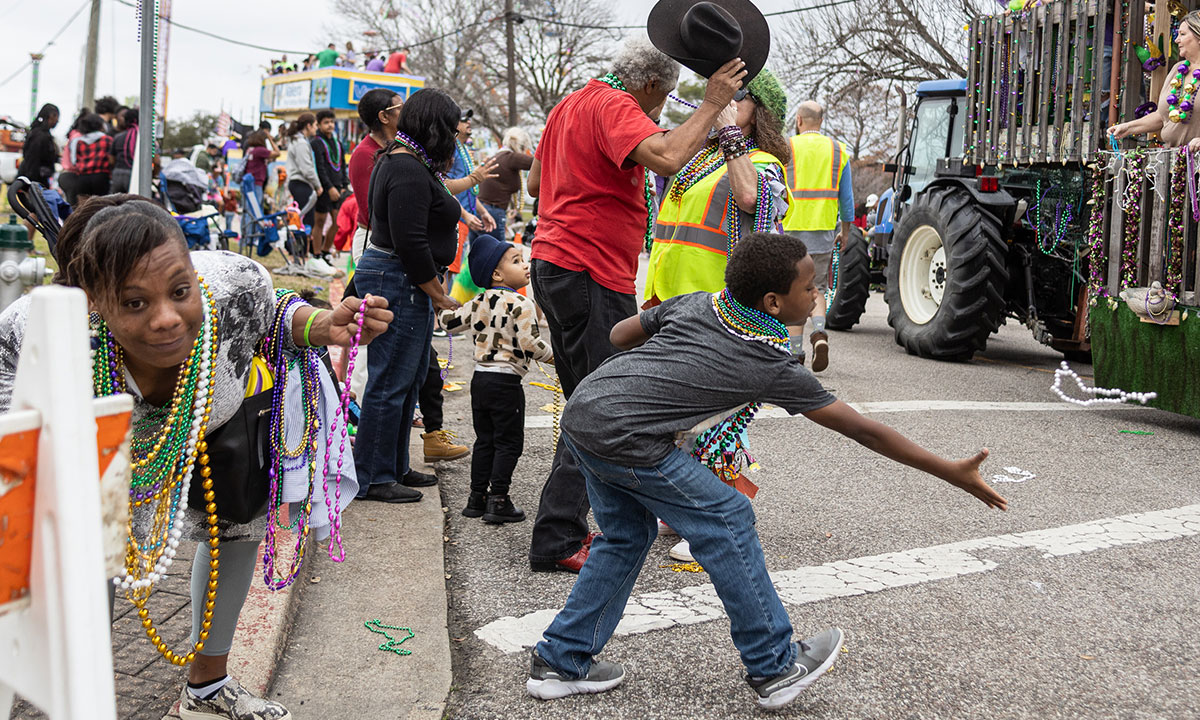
(396,367)
(718,523)
(500,215)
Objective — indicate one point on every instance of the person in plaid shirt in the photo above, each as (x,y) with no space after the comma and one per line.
(90,155)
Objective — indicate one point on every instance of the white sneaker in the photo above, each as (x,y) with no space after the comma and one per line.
(682,552)
(317,266)
(665,529)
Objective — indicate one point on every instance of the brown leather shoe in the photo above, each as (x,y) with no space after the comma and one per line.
(438,446)
(820,346)
(572,564)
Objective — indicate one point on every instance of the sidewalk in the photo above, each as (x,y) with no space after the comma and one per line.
(148,686)
(394,573)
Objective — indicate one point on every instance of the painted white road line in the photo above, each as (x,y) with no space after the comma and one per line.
(545,421)
(860,576)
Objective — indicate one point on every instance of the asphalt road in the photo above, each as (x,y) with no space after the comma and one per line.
(1033,628)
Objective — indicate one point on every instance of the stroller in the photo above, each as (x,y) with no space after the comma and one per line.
(26,199)
(182,187)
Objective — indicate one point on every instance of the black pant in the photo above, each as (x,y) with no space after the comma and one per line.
(498,413)
(429,397)
(581,313)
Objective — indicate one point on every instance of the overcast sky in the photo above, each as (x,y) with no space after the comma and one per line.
(202,73)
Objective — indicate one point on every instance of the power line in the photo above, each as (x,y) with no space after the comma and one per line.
(821,6)
(215,36)
(46,47)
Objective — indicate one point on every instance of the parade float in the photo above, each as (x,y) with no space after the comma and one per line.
(1012,201)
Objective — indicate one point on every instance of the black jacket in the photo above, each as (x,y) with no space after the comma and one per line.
(331,166)
(39,156)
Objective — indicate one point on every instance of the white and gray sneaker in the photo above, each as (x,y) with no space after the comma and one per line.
(817,655)
(232,702)
(545,683)
(318,267)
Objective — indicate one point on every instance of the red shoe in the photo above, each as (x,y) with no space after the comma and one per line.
(572,564)
(587,541)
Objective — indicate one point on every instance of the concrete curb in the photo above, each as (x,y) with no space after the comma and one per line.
(394,573)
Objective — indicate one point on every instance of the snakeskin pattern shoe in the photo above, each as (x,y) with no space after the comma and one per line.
(232,702)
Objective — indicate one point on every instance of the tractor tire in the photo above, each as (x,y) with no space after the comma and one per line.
(853,283)
(946,276)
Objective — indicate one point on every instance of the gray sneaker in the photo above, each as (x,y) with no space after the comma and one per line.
(816,656)
(232,702)
(545,683)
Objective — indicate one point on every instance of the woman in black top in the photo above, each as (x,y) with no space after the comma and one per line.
(40,152)
(413,237)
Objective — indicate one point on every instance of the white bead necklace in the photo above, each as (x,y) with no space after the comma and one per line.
(1101,396)
(175,534)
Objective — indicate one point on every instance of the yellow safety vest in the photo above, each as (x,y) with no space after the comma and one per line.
(813,176)
(690,245)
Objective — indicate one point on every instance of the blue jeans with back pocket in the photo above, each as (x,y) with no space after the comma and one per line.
(718,523)
(396,367)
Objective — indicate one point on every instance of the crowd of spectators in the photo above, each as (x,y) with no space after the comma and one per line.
(395,61)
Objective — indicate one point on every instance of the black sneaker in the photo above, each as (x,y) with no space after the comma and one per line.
(391,493)
(501,510)
(476,505)
(418,479)
(816,656)
(545,683)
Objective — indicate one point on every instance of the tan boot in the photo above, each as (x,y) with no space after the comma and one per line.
(438,446)
(820,346)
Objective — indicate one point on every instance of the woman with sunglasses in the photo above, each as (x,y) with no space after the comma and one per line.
(734,186)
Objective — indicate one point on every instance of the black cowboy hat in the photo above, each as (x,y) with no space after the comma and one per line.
(705,35)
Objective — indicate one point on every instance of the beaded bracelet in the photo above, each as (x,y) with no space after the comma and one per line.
(308,326)
(733,151)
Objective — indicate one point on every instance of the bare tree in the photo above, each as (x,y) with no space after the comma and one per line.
(872,40)
(459,47)
(863,115)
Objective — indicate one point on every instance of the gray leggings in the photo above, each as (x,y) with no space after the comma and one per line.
(237,572)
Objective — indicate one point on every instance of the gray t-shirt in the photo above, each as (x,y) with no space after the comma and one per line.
(629,410)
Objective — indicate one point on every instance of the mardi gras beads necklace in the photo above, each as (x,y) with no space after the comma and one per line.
(310,365)
(1177,110)
(750,324)
(419,151)
(306,452)
(333,148)
(468,162)
(719,446)
(146,562)
(615,83)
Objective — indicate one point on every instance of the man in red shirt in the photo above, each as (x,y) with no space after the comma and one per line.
(397,62)
(589,174)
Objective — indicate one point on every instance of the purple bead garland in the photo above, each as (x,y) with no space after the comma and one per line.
(340,415)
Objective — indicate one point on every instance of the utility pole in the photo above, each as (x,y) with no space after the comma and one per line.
(511,50)
(33,106)
(145,142)
(89,62)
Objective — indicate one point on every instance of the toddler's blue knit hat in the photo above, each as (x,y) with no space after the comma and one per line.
(485,254)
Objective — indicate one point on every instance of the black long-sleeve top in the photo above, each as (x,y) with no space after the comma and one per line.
(330,158)
(38,156)
(413,215)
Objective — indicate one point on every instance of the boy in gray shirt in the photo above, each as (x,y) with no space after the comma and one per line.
(690,358)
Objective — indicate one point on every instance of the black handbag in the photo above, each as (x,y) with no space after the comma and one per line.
(239,455)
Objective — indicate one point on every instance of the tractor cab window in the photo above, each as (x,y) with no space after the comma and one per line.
(938,134)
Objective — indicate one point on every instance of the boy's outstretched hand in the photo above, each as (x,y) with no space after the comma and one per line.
(965,474)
